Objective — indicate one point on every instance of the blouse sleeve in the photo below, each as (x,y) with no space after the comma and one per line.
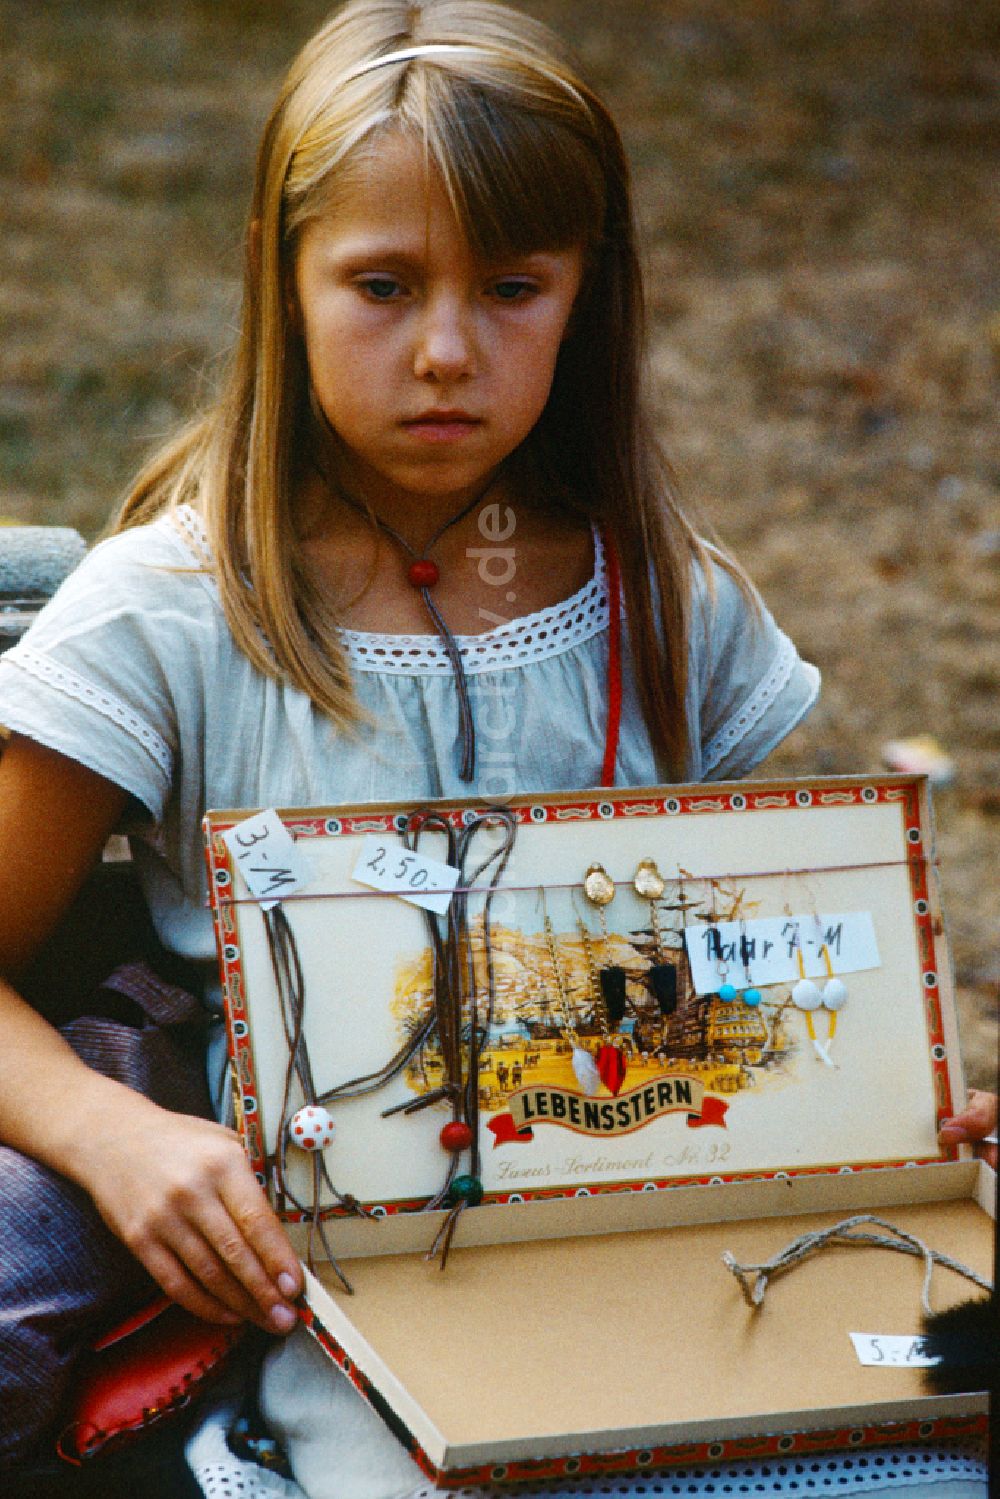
(96,675)
(752,686)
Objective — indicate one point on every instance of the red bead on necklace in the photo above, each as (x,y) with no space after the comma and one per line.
(423,573)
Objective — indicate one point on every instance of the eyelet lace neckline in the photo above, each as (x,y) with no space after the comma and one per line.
(533,637)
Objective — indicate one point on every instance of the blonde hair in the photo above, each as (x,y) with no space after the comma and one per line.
(531,160)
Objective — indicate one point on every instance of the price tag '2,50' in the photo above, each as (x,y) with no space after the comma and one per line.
(386,865)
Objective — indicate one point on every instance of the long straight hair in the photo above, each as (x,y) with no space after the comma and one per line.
(531,160)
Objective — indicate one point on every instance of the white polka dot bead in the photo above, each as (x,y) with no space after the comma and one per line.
(312,1128)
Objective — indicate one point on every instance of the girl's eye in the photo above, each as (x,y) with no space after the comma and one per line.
(380,288)
(510,290)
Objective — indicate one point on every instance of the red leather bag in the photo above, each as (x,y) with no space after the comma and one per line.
(143,1371)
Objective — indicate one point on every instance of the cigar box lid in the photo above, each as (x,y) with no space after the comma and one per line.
(764,883)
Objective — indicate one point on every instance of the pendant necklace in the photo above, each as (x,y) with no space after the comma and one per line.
(423,574)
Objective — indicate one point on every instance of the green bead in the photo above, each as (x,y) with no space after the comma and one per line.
(466,1189)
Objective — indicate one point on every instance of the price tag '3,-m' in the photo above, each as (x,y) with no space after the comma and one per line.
(266,855)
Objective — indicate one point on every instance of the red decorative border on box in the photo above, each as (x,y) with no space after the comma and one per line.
(643,1459)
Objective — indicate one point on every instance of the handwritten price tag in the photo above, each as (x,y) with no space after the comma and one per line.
(267,857)
(878,1350)
(769,947)
(386,865)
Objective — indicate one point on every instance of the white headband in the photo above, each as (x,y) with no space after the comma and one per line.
(431,49)
(427,50)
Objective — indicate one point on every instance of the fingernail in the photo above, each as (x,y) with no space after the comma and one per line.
(282,1318)
(287,1284)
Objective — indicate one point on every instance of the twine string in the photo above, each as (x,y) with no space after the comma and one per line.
(226,898)
(754,1279)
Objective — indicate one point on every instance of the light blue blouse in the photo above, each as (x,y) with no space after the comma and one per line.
(132,671)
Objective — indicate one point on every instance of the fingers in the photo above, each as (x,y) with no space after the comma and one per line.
(226,1258)
(973,1124)
(984,1106)
(225,1235)
(197,1219)
(169,1273)
(211,1264)
(261,1257)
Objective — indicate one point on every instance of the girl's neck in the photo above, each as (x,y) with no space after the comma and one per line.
(506,558)
(328,509)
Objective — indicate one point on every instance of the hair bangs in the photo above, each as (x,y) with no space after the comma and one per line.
(519,180)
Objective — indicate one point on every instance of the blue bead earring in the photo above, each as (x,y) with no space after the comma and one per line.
(751,995)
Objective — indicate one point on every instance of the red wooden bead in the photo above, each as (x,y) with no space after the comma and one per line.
(456,1136)
(423,573)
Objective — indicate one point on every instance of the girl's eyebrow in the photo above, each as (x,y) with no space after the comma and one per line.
(356,257)
(388,256)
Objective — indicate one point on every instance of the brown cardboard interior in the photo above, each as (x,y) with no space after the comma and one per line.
(549,1346)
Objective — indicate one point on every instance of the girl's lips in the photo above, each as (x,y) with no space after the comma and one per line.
(445,426)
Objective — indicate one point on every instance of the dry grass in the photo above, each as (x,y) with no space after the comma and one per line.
(816,184)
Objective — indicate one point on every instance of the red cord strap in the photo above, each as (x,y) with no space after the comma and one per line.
(614,662)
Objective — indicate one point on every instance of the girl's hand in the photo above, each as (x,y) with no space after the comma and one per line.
(177,1190)
(179,1193)
(977,1120)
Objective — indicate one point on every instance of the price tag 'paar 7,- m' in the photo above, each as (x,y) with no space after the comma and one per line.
(267,856)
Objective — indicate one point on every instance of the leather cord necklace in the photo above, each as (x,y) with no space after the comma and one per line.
(423,574)
(454,1015)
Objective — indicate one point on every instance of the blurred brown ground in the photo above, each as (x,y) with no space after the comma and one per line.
(817,187)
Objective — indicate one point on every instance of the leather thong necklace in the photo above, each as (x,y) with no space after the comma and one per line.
(423,574)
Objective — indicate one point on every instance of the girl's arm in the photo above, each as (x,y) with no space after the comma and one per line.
(176,1189)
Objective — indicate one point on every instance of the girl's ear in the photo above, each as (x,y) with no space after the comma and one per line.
(292,310)
(291,298)
(253,247)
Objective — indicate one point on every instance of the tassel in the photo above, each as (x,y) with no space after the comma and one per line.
(613,988)
(663,982)
(586,1071)
(611,1066)
(445,1234)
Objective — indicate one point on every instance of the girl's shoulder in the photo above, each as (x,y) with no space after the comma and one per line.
(175,540)
(720,590)
(163,564)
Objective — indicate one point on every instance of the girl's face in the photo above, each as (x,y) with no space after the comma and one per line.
(430,366)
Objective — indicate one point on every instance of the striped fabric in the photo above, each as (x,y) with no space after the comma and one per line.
(64,1277)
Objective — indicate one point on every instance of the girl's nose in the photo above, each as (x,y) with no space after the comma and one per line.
(445,346)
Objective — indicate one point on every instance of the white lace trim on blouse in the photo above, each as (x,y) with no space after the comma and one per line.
(738,725)
(72,685)
(191,529)
(534,637)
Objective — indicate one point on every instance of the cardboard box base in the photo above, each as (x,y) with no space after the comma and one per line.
(567,1353)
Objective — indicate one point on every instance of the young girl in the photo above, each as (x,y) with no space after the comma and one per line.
(424,545)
